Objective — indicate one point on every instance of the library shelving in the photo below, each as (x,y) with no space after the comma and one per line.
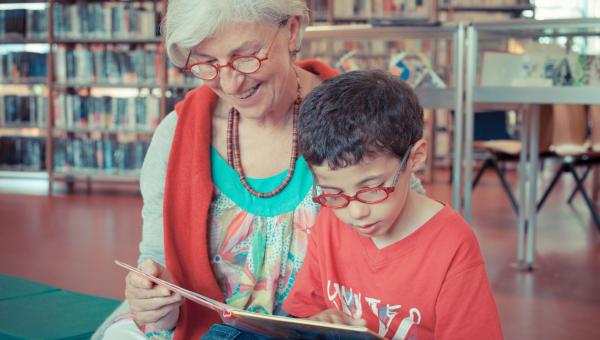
(578,38)
(23,94)
(515,9)
(384,12)
(433,54)
(83,85)
(481,11)
(414,12)
(107,82)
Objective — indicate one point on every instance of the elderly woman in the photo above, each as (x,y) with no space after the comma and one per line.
(227,199)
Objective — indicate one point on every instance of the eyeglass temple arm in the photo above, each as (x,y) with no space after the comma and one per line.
(187,61)
(402,165)
(314,185)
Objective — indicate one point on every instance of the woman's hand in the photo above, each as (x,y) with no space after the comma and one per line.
(151,303)
(335,316)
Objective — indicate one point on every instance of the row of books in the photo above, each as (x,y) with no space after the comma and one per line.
(105,20)
(107,64)
(110,64)
(106,113)
(365,9)
(23,65)
(23,24)
(23,111)
(22,152)
(109,156)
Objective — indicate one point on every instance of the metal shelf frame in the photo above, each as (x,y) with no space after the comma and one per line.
(528,161)
(433,98)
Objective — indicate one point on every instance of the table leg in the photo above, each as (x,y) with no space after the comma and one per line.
(532,197)
(522,211)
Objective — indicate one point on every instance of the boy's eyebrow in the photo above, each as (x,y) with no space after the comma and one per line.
(368,179)
(363,182)
(330,187)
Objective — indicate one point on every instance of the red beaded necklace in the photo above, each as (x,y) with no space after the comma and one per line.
(233,146)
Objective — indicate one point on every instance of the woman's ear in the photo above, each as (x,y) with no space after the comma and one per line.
(293,25)
(418,155)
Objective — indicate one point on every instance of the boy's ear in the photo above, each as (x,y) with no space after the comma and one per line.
(418,155)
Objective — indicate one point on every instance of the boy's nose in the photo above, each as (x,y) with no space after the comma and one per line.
(358,210)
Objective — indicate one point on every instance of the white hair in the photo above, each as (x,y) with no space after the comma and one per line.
(189,22)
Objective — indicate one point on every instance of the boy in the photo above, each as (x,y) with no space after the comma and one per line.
(404,264)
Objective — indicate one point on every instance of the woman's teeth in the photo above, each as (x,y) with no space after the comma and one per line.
(249,92)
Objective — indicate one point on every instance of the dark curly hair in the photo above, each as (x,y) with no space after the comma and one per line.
(355,115)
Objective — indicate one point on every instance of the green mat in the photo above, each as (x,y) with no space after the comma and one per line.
(29,310)
(13,287)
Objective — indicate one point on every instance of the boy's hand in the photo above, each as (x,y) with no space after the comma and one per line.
(335,316)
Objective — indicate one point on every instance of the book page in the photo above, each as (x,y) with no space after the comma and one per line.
(270,325)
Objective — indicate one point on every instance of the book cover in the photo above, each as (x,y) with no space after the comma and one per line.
(269,325)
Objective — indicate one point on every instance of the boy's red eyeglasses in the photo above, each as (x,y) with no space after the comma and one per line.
(245,64)
(367,195)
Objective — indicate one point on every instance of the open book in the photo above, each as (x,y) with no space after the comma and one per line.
(269,325)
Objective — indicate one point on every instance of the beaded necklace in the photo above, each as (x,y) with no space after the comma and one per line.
(233,146)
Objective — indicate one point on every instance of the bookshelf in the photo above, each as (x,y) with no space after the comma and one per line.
(23,99)
(384,12)
(414,12)
(100,85)
(433,54)
(485,10)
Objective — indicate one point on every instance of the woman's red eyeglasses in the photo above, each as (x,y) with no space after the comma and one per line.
(245,64)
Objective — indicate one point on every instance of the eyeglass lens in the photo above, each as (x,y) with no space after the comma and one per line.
(247,64)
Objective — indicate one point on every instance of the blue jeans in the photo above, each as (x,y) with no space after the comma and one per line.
(221,331)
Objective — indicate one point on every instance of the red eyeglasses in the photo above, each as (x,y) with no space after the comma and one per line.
(245,64)
(367,195)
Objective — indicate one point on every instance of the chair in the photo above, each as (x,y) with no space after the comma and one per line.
(571,148)
(496,146)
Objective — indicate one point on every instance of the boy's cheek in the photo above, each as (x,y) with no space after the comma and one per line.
(341,215)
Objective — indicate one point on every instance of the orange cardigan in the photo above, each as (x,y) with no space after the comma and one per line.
(187,197)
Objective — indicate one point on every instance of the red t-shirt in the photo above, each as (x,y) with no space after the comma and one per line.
(431,284)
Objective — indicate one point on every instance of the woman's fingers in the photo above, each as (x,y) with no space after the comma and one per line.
(148,302)
(136,288)
(153,303)
(154,315)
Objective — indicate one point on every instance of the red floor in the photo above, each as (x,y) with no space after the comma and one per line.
(71,242)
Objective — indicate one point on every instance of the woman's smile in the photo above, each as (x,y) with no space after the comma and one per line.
(250,92)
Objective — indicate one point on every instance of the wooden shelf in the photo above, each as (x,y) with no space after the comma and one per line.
(62,130)
(66,85)
(22,131)
(22,41)
(86,40)
(22,172)
(484,8)
(30,81)
(117,176)
(23,2)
